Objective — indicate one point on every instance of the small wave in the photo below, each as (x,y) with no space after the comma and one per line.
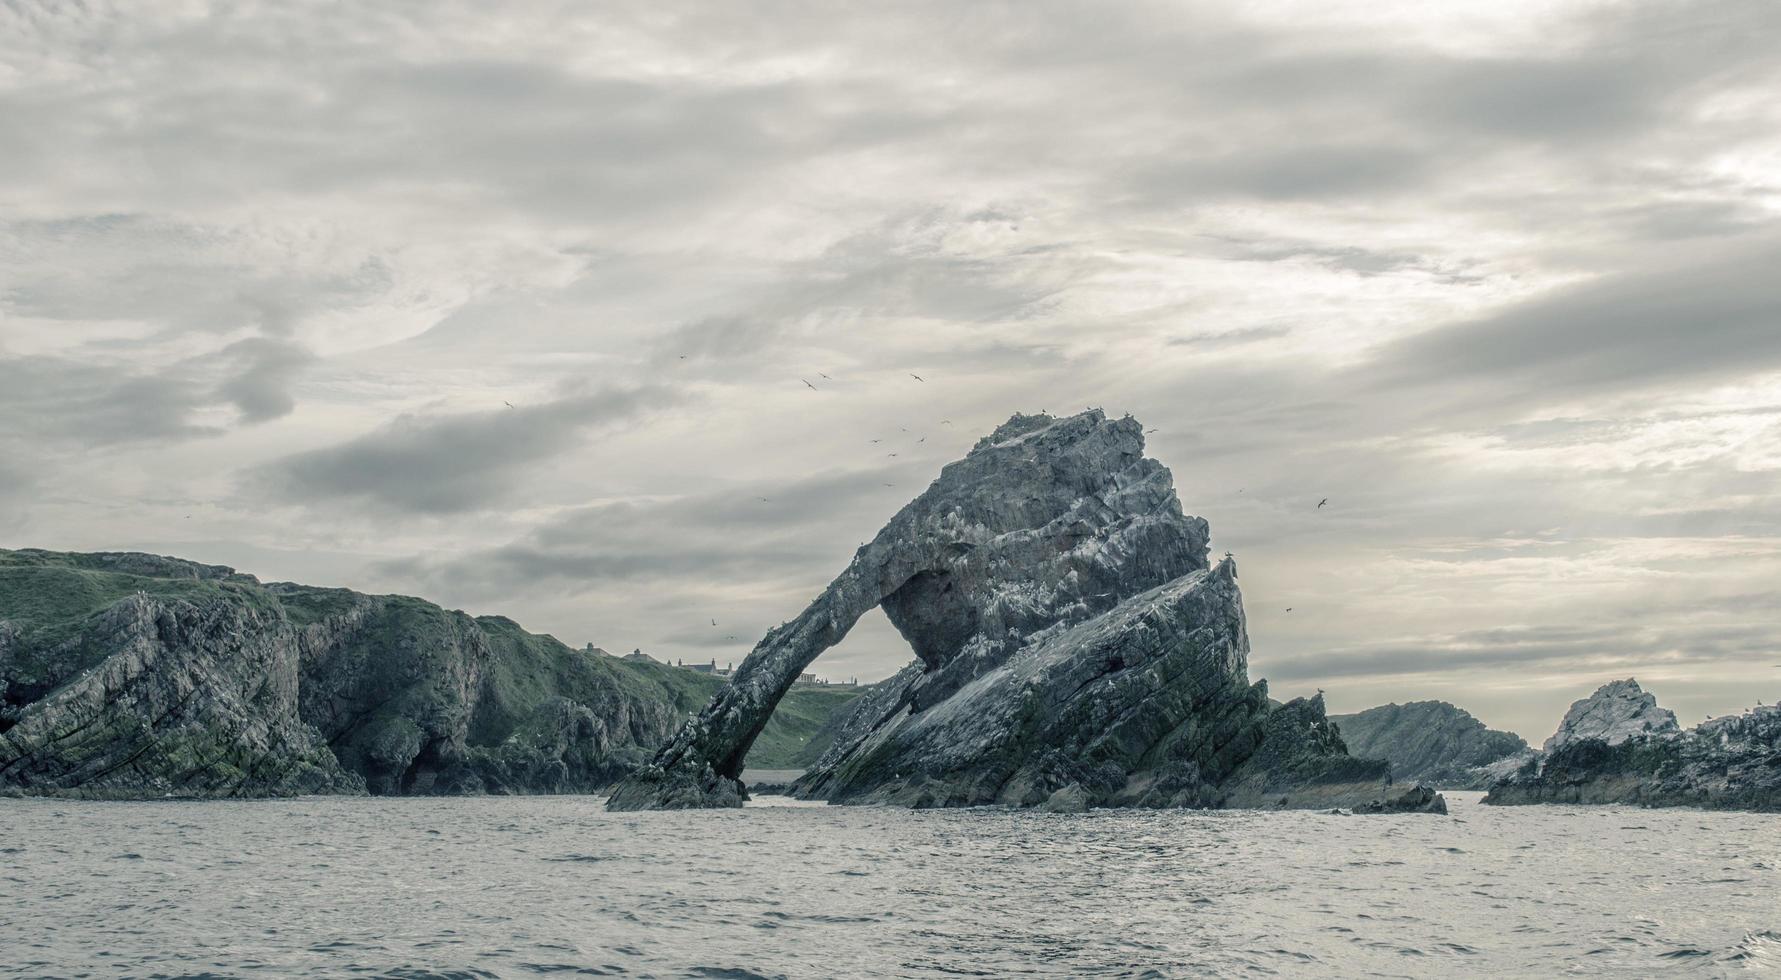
(422,973)
(1757,948)
(580,971)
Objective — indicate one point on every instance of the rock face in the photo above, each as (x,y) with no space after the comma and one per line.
(126,675)
(1074,648)
(1430,742)
(1730,763)
(1614,713)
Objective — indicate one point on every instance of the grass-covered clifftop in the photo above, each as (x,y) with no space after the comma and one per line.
(126,674)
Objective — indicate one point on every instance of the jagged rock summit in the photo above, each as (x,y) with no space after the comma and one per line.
(1074,647)
(1432,742)
(1617,746)
(1616,712)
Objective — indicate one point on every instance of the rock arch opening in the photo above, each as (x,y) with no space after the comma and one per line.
(1045,523)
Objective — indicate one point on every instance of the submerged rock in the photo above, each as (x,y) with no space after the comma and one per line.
(1074,648)
(1730,763)
(1431,742)
(1416,799)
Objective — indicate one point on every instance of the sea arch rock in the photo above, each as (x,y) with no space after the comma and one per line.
(1046,524)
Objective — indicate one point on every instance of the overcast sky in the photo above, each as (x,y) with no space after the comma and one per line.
(1502,282)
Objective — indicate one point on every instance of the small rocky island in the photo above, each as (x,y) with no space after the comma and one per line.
(1074,648)
(1434,743)
(1619,746)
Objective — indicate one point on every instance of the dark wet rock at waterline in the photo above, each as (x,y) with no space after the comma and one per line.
(1074,649)
(1618,746)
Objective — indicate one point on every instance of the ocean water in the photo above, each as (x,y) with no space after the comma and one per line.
(556,886)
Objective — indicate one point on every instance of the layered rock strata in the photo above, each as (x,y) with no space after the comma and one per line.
(1074,648)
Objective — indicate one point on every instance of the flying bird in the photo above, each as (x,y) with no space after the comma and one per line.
(878,440)
(1289,609)
(824,376)
(508,404)
(714,622)
(945,421)
(922,439)
(893,454)
(917,377)
(808,384)
(1149,431)
(763,500)
(1320,503)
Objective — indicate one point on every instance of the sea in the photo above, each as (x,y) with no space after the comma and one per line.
(558,887)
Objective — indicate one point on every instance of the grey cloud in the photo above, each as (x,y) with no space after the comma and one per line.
(1608,649)
(724,338)
(96,406)
(1718,316)
(451,463)
(1291,170)
(107,404)
(707,539)
(261,388)
(1229,338)
(178,275)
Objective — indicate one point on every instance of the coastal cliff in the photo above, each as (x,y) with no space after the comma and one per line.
(128,675)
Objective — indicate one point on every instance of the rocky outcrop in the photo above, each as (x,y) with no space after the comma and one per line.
(1641,758)
(1073,645)
(1616,712)
(135,675)
(1430,742)
(172,699)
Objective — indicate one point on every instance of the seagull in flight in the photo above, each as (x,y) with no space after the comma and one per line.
(1320,503)
(808,384)
(878,440)
(922,439)
(945,421)
(824,376)
(1289,609)
(508,404)
(893,454)
(918,377)
(1150,431)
